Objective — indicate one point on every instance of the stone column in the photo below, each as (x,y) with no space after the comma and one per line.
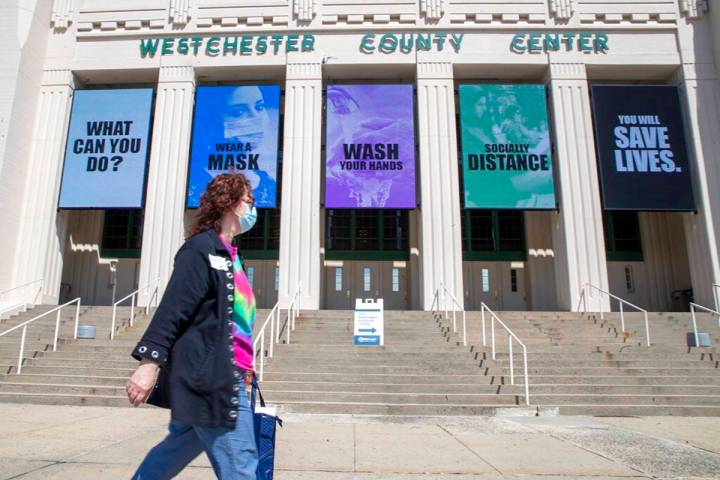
(440,231)
(578,237)
(163,226)
(701,93)
(300,202)
(41,234)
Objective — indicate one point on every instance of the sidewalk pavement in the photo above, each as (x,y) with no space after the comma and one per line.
(63,442)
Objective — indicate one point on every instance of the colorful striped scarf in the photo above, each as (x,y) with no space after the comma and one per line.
(243,316)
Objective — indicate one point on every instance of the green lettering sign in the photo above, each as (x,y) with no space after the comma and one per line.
(544,42)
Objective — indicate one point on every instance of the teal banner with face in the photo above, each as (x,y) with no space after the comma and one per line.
(507,162)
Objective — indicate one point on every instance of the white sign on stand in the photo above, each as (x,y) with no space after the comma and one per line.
(369,323)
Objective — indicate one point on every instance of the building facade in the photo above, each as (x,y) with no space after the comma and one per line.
(518,258)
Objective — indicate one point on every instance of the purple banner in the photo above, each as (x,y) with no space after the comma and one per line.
(370,139)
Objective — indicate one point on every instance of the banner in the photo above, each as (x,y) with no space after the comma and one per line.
(236,128)
(370,140)
(507,158)
(107,146)
(641,148)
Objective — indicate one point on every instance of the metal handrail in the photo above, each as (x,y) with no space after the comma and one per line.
(457,308)
(7,309)
(511,337)
(292,311)
(273,319)
(25,324)
(583,300)
(133,296)
(693,306)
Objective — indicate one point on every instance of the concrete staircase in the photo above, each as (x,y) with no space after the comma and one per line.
(419,371)
(80,372)
(582,365)
(579,364)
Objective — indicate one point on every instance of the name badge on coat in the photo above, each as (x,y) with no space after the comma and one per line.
(218,263)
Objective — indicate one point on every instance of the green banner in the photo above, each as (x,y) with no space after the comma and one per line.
(507,161)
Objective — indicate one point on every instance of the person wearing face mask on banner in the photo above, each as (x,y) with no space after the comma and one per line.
(196,356)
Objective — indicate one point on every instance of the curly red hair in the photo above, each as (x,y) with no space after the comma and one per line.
(221,194)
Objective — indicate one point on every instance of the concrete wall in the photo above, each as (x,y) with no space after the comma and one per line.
(24,34)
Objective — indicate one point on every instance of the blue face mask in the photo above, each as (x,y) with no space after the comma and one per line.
(248,218)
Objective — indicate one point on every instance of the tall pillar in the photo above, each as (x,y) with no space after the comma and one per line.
(300,202)
(163,225)
(701,94)
(40,236)
(578,235)
(440,231)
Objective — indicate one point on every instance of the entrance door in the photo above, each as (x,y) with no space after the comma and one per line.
(338,286)
(262,275)
(367,280)
(482,285)
(512,287)
(394,287)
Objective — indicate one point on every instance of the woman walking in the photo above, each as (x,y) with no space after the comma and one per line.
(196,356)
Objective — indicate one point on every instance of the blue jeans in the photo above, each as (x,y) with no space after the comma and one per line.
(232,452)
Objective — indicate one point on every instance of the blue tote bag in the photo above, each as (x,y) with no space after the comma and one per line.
(265,428)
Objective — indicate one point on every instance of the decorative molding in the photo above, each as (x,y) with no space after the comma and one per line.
(434,70)
(179,12)
(304,71)
(616,18)
(304,10)
(694,9)
(496,18)
(562,9)
(58,77)
(433,9)
(62,14)
(567,71)
(370,19)
(176,74)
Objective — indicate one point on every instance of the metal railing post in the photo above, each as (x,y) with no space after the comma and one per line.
(272,332)
(22,350)
(694,321)
(464,329)
(287,336)
(132,310)
(57,330)
(492,334)
(77,318)
(262,355)
(527,386)
(112,323)
(454,312)
(622,316)
(647,328)
(512,361)
(482,318)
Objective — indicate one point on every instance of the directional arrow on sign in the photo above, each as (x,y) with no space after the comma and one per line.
(367,330)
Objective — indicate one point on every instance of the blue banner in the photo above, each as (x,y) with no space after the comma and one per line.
(107,146)
(236,128)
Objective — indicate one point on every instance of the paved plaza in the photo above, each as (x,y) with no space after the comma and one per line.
(64,442)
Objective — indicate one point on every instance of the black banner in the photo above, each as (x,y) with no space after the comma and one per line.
(642,154)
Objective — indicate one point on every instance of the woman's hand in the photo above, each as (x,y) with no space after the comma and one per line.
(249,377)
(142,382)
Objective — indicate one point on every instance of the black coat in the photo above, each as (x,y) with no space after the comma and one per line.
(190,337)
